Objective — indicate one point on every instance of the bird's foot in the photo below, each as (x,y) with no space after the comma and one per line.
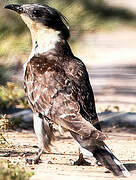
(33,161)
(81,161)
(37,159)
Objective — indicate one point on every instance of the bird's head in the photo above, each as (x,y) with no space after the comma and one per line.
(43,15)
(42,20)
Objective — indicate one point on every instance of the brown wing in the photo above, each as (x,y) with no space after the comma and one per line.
(77,72)
(53,93)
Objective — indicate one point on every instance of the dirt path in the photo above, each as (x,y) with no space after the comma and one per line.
(108,48)
(57,163)
(113,86)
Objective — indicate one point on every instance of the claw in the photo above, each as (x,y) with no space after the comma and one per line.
(81,161)
(37,159)
(33,161)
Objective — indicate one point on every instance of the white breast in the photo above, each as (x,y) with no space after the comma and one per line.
(44,39)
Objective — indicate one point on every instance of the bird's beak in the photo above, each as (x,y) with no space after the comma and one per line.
(15,7)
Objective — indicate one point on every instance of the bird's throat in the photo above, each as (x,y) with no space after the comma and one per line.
(44,39)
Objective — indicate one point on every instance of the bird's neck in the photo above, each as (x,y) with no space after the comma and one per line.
(44,39)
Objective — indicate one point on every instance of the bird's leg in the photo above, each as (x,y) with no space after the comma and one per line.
(82,162)
(82,152)
(44,132)
(36,159)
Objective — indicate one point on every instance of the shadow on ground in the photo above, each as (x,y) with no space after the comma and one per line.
(130,166)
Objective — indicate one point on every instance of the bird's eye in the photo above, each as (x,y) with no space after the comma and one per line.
(37,13)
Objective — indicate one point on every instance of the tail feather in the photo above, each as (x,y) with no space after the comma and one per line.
(102,154)
(106,157)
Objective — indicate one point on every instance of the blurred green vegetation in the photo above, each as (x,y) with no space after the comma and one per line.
(6,124)
(12,95)
(83,15)
(9,171)
(4,74)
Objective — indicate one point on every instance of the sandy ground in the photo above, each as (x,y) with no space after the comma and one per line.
(57,164)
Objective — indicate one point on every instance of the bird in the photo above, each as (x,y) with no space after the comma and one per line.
(58,88)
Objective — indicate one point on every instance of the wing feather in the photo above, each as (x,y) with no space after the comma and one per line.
(63,96)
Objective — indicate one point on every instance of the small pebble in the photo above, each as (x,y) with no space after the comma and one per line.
(49,162)
(35,146)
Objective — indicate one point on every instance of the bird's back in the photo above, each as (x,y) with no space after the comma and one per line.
(50,75)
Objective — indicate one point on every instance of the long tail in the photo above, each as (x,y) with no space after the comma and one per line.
(106,157)
(102,153)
